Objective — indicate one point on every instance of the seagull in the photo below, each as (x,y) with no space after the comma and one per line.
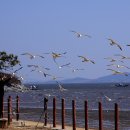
(113,60)
(61,87)
(17,70)
(115,72)
(74,69)
(122,56)
(80,35)
(45,74)
(107,98)
(119,66)
(112,42)
(56,55)
(32,56)
(54,77)
(86,59)
(65,65)
(36,67)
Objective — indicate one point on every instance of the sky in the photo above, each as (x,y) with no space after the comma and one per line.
(44,26)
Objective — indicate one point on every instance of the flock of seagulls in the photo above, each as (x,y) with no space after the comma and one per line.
(55,56)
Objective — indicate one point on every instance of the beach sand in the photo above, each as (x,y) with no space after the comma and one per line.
(31,125)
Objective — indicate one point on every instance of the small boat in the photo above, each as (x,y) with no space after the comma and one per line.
(33,87)
(121,85)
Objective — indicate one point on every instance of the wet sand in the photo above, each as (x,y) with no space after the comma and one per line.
(31,125)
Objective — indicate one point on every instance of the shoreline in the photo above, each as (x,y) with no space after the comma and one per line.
(32,125)
(35,114)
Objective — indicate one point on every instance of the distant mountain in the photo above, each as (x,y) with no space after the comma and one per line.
(104,79)
(113,78)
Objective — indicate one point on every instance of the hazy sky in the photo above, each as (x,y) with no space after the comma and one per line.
(44,26)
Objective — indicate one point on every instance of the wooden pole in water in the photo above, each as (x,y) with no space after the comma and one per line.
(45,111)
(2,115)
(100,116)
(17,108)
(86,114)
(54,112)
(73,115)
(116,117)
(63,113)
(9,110)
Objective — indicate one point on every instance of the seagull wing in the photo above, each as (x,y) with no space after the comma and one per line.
(87,35)
(119,47)
(92,61)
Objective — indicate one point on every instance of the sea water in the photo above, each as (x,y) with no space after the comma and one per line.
(108,94)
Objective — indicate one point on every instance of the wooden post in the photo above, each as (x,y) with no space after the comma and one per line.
(45,111)
(63,113)
(86,114)
(73,115)
(100,117)
(17,107)
(54,112)
(2,115)
(9,110)
(116,117)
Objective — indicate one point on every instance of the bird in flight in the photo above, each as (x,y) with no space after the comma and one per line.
(115,72)
(122,56)
(119,66)
(56,55)
(61,66)
(107,98)
(17,70)
(113,60)
(61,87)
(42,72)
(80,34)
(32,56)
(74,69)
(112,42)
(84,59)
(36,67)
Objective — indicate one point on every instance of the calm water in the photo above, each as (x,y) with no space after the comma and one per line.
(108,94)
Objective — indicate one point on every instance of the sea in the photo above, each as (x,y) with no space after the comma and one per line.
(32,103)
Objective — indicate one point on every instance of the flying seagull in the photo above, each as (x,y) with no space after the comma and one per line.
(107,98)
(32,56)
(112,42)
(119,66)
(84,59)
(36,67)
(56,55)
(80,34)
(61,66)
(122,56)
(115,72)
(61,87)
(113,60)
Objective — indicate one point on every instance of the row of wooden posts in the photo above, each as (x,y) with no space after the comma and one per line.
(100,113)
(9,109)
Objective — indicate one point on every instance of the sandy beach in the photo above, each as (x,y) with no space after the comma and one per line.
(31,125)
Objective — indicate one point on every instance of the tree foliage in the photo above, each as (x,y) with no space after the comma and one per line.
(8,61)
